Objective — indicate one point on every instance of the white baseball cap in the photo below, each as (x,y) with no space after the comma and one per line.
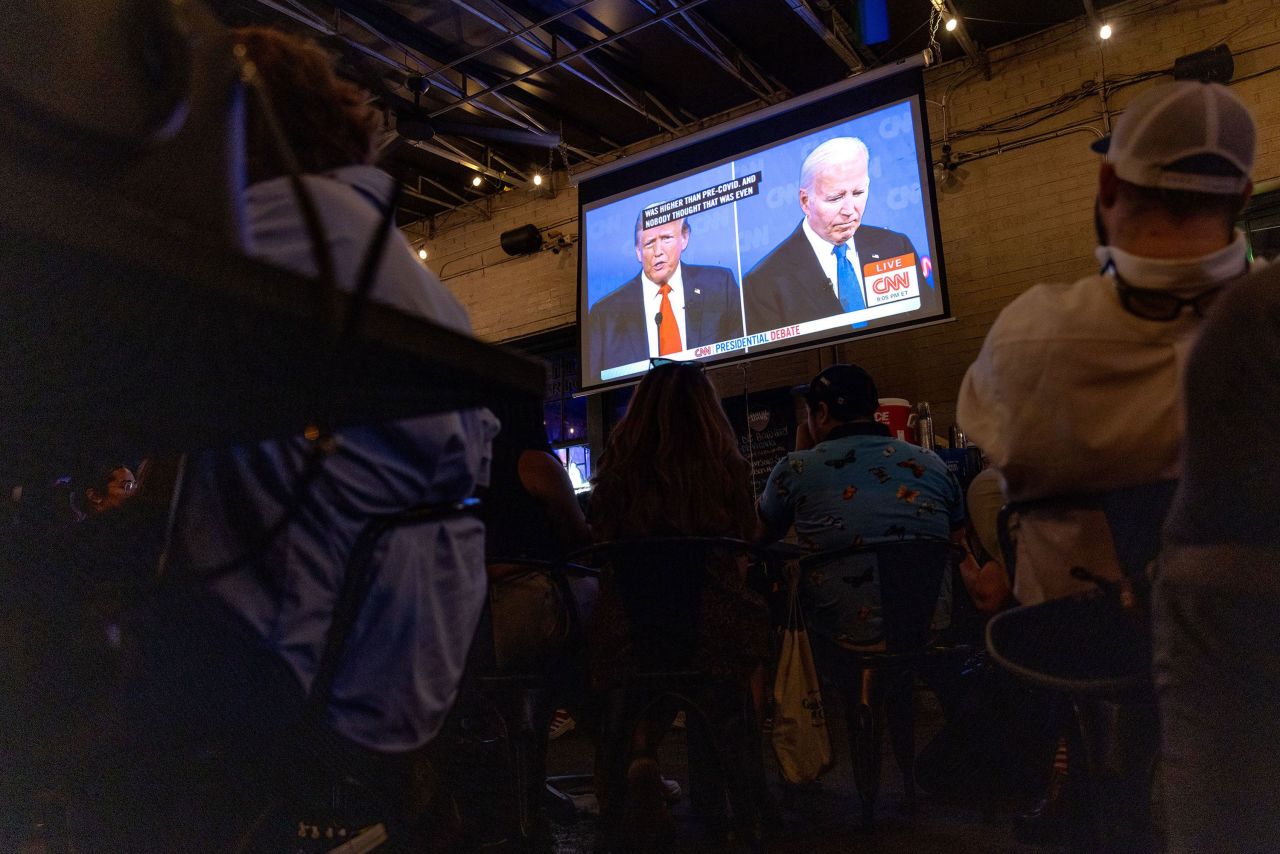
(1180,136)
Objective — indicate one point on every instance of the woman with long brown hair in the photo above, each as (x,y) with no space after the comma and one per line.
(672,465)
(672,468)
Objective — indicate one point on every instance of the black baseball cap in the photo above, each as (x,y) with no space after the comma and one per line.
(848,391)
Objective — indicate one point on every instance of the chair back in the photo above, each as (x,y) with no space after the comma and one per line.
(1006,521)
(531,618)
(1136,516)
(1098,644)
(659,583)
(908,575)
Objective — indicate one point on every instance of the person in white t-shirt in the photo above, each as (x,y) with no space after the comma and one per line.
(1077,388)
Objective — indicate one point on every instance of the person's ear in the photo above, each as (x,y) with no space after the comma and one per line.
(1108,185)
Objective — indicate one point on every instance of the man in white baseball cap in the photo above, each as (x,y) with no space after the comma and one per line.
(1077,388)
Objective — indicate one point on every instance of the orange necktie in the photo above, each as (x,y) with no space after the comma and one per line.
(668,330)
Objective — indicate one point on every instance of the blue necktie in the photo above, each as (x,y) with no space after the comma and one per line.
(847,280)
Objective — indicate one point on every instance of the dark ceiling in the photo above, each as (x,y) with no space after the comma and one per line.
(504,79)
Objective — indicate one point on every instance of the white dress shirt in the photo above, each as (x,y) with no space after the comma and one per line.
(827,259)
(653,305)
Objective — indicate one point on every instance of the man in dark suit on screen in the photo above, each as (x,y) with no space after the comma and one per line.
(668,307)
(818,270)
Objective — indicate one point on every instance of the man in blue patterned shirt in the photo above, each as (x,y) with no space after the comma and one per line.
(850,483)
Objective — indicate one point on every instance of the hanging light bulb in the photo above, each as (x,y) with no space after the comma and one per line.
(537,179)
(1104,32)
(476,181)
(952,23)
(422,253)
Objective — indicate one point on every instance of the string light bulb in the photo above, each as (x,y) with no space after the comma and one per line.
(1104,32)
(422,253)
(476,181)
(537,179)
(952,23)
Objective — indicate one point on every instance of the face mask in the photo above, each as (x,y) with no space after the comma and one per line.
(1176,273)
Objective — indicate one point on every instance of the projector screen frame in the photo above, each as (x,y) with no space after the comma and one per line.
(780,124)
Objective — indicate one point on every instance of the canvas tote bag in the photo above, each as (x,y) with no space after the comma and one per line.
(800,738)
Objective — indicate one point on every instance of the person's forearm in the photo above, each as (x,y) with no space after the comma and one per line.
(988,585)
(767,531)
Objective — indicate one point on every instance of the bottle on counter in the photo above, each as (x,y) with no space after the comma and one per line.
(956,437)
(924,426)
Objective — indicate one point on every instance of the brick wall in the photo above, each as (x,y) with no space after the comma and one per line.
(1013,217)
(511,297)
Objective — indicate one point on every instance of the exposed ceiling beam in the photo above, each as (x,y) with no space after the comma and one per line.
(423,197)
(847,34)
(489,156)
(520,78)
(527,124)
(828,35)
(418,44)
(394,29)
(512,36)
(977,56)
(300,15)
(479,205)
(461,199)
(606,83)
(702,40)
(453,156)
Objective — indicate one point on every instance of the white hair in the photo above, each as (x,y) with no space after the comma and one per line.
(841,149)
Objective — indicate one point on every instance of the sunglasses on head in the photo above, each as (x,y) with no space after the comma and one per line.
(659,361)
(1152,304)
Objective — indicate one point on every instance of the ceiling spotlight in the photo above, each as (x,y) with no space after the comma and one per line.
(952,23)
(477,181)
(1104,32)
(422,253)
(537,179)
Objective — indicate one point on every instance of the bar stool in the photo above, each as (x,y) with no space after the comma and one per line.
(522,691)
(877,683)
(1095,648)
(660,583)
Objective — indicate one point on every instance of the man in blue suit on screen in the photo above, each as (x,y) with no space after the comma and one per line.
(819,270)
(668,307)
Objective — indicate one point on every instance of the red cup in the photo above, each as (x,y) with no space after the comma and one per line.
(899,416)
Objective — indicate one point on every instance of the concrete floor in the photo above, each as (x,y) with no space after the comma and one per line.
(819,818)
